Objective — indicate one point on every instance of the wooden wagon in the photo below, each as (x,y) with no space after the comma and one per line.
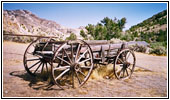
(70,63)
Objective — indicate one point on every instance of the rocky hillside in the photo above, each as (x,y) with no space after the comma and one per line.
(153,31)
(154,24)
(25,22)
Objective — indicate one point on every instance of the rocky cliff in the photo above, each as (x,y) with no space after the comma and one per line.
(25,22)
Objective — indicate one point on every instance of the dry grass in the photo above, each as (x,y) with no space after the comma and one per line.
(102,71)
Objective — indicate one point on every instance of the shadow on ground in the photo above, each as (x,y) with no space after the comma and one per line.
(36,83)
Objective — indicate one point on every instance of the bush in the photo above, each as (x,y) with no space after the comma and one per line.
(159,50)
(83,34)
(72,37)
(127,37)
(156,44)
(20,39)
(138,48)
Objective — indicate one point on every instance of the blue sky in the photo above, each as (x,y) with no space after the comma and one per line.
(74,15)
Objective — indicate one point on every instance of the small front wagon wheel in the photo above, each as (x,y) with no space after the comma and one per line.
(124,64)
(72,64)
(36,61)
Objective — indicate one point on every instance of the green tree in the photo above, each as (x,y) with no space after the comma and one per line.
(91,29)
(127,37)
(162,36)
(72,37)
(114,27)
(100,32)
(83,34)
(106,29)
(135,34)
(122,23)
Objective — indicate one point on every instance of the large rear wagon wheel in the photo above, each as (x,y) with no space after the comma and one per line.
(35,62)
(124,64)
(72,64)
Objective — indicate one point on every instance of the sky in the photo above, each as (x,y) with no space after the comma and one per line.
(74,15)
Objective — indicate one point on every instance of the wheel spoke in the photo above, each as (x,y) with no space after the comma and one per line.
(62,74)
(120,72)
(130,69)
(78,78)
(84,61)
(46,67)
(72,79)
(42,68)
(67,55)
(46,44)
(61,68)
(32,59)
(124,54)
(29,53)
(34,64)
(34,55)
(128,56)
(120,65)
(72,53)
(88,67)
(120,60)
(49,63)
(127,72)
(78,51)
(37,68)
(82,55)
(63,60)
(82,73)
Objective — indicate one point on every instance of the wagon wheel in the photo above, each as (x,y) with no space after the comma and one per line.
(124,64)
(72,64)
(36,64)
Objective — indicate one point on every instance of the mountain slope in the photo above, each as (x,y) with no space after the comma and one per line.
(154,24)
(25,22)
(151,30)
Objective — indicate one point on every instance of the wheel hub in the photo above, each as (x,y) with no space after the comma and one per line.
(43,60)
(75,66)
(126,65)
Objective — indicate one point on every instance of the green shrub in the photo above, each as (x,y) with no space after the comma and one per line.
(127,37)
(20,39)
(138,48)
(72,37)
(156,44)
(159,50)
(83,34)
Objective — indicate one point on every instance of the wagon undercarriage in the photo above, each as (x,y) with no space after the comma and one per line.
(71,63)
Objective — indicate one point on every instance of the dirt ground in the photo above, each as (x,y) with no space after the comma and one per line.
(143,83)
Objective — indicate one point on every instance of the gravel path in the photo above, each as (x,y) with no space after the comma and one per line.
(17,83)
